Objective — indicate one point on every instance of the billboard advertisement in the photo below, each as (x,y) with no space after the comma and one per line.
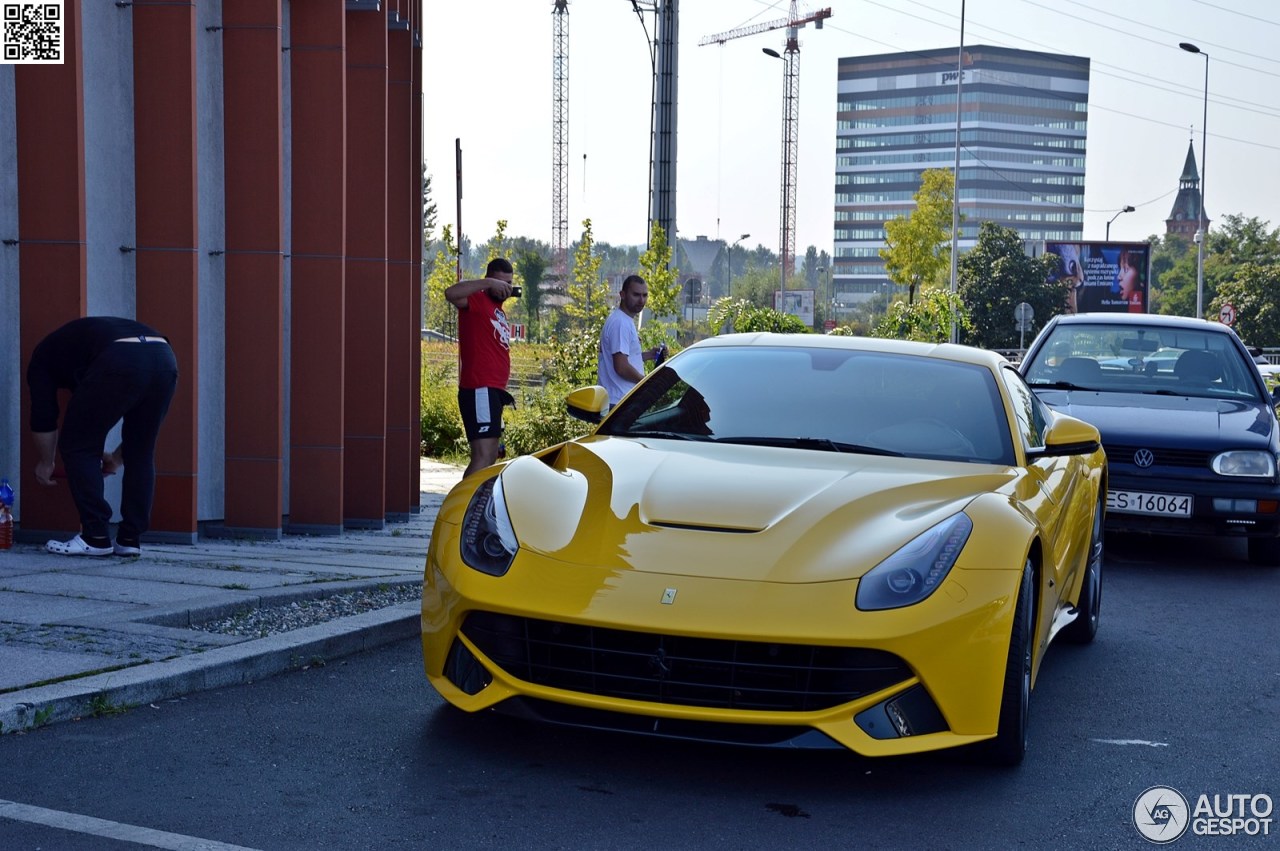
(1105,277)
(796,302)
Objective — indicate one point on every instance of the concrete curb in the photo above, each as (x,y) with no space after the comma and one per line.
(244,662)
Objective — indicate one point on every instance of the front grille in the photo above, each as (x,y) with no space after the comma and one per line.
(680,670)
(1164,457)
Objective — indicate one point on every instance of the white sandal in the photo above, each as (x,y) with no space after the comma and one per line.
(76,547)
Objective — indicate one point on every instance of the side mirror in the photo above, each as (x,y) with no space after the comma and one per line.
(1275,396)
(587,403)
(1068,436)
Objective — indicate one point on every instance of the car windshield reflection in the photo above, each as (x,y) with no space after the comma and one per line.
(1114,358)
(823,400)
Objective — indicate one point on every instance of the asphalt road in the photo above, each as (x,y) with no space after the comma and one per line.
(1182,688)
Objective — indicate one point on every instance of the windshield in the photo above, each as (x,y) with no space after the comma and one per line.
(822,399)
(1140,358)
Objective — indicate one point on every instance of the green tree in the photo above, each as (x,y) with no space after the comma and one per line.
(927,319)
(918,245)
(439,314)
(589,299)
(740,315)
(994,277)
(755,284)
(428,208)
(1166,253)
(497,245)
(1254,291)
(533,268)
(1235,242)
(663,281)
(1239,240)
(662,278)
(809,268)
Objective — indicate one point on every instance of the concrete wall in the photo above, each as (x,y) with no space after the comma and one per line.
(11,373)
(213,238)
(119,193)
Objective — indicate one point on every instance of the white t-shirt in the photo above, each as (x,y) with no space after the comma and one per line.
(618,335)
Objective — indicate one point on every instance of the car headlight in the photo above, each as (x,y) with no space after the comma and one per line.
(1244,462)
(488,540)
(917,569)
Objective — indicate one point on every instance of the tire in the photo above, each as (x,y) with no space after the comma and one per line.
(1088,608)
(1265,551)
(1010,744)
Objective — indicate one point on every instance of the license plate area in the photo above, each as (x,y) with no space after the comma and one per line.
(1155,504)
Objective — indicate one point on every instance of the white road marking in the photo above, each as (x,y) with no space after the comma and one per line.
(1132,742)
(110,829)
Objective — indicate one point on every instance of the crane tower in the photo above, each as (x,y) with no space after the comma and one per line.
(790,115)
(560,141)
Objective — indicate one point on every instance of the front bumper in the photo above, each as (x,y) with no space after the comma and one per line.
(1232,519)
(953,647)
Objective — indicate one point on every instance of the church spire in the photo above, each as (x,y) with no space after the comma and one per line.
(1190,174)
(1184,218)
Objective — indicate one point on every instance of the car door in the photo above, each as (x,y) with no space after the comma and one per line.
(1059,480)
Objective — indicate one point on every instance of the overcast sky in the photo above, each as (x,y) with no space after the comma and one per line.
(488,79)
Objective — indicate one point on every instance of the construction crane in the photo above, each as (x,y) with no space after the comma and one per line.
(790,116)
(560,142)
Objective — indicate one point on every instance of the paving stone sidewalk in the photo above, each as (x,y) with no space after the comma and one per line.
(89,635)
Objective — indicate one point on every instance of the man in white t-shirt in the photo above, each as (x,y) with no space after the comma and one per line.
(620,361)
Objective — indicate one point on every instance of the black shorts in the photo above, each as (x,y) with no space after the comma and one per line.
(481,410)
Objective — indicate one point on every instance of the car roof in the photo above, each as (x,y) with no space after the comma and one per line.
(946,351)
(1149,320)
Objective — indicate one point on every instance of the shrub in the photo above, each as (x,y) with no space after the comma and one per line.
(540,420)
(575,358)
(541,376)
(442,433)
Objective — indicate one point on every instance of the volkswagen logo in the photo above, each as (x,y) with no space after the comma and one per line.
(1144,458)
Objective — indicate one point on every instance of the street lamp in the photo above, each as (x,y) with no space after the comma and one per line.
(1202,234)
(1127,209)
(786,188)
(731,247)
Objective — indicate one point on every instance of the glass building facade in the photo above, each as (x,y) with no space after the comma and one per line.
(1023,123)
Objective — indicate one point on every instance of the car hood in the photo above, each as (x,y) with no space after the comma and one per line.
(1185,422)
(731,511)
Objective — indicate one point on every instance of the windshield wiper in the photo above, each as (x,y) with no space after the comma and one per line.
(820,443)
(1061,385)
(670,435)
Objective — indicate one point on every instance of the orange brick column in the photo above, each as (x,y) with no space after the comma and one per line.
(51,231)
(415,125)
(365,414)
(167,259)
(403,328)
(253,163)
(317,63)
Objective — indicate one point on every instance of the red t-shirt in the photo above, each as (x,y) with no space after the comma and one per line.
(484,343)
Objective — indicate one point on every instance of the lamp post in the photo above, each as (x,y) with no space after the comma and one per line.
(786,189)
(1202,234)
(731,247)
(1127,209)
(953,335)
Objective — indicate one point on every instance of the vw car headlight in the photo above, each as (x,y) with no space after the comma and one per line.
(1244,462)
(488,540)
(917,569)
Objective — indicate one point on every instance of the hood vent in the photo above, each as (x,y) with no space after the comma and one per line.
(699,528)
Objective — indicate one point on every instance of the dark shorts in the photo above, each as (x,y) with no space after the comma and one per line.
(482,411)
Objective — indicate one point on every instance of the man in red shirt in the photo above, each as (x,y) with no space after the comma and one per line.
(484,358)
